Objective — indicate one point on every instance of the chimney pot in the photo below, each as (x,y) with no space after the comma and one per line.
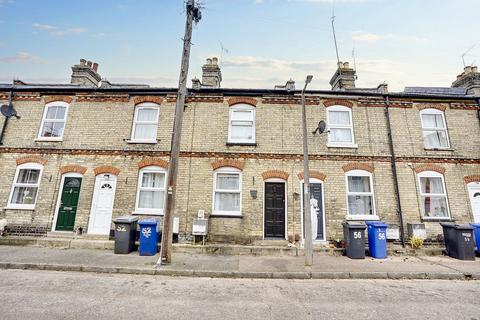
(475,69)
(215,60)
(209,61)
(82,62)
(468,69)
(346,65)
(340,64)
(89,64)
(95,66)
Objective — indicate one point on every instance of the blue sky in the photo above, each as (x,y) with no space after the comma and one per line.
(401,42)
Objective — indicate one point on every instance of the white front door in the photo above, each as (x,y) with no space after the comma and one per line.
(102,204)
(474,193)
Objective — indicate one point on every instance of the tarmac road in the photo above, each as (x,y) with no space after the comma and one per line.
(70,295)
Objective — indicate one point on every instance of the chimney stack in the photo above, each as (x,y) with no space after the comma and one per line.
(469,79)
(85,74)
(211,73)
(344,78)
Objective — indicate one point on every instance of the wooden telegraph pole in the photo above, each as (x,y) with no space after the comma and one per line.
(193,14)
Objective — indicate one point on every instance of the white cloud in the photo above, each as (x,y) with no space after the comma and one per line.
(56,31)
(22,57)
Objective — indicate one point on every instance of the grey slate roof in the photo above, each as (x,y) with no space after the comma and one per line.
(445,91)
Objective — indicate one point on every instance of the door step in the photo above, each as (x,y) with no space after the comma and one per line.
(271,243)
(95,237)
(61,234)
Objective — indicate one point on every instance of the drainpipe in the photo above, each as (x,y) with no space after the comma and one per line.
(478,110)
(394,169)
(4,127)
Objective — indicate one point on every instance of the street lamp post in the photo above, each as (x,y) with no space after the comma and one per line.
(306,184)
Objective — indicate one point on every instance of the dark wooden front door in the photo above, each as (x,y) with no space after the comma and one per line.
(274,210)
(316,193)
(68,204)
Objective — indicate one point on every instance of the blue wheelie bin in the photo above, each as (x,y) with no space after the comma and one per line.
(476,233)
(148,237)
(377,239)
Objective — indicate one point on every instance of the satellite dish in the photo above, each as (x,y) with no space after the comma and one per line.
(8,111)
(321,127)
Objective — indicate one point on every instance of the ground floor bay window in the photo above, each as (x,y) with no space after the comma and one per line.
(433,197)
(360,197)
(227,192)
(151,190)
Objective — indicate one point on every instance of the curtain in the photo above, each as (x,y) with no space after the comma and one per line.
(24,195)
(228,181)
(435,206)
(227,201)
(28,176)
(358,184)
(431,185)
(145,131)
(339,117)
(360,205)
(153,180)
(52,129)
(151,199)
(340,135)
(435,139)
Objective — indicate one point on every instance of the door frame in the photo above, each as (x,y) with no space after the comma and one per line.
(59,198)
(472,186)
(94,201)
(277,180)
(313,180)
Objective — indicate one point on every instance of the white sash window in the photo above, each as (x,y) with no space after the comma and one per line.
(23,194)
(241,127)
(152,182)
(145,123)
(434,128)
(227,192)
(53,121)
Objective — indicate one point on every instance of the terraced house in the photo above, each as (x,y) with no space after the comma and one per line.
(83,153)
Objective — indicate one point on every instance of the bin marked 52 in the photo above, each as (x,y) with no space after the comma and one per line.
(147,232)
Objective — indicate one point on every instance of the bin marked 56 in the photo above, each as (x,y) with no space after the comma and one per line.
(357,235)
(381,236)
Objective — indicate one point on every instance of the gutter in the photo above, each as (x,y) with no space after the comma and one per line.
(394,169)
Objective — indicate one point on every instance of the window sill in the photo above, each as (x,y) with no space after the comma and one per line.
(141,141)
(19,208)
(439,149)
(246,144)
(348,146)
(48,140)
(444,219)
(148,213)
(362,217)
(219,215)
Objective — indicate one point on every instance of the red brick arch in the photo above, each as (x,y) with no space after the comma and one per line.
(29,159)
(153,162)
(142,99)
(339,102)
(235,163)
(275,174)
(246,100)
(106,169)
(429,167)
(73,168)
(438,106)
(48,99)
(472,178)
(313,174)
(358,166)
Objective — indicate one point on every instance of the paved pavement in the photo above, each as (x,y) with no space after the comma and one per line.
(27,294)
(325,266)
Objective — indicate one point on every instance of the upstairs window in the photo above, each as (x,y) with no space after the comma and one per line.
(145,123)
(360,200)
(227,192)
(152,182)
(433,197)
(53,121)
(434,128)
(25,186)
(241,127)
(340,126)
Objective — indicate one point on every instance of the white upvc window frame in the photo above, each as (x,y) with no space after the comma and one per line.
(25,166)
(433,174)
(241,107)
(150,211)
(227,170)
(144,106)
(340,144)
(44,119)
(425,128)
(360,173)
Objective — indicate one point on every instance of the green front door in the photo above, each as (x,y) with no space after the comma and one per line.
(68,204)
